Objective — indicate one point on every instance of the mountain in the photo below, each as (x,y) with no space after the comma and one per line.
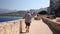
(41,9)
(38,10)
(17,13)
(6,11)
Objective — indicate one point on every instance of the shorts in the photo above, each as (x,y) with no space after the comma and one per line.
(27,24)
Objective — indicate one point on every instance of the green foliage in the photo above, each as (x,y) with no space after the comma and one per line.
(42,12)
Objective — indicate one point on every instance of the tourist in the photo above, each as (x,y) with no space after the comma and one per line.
(28,17)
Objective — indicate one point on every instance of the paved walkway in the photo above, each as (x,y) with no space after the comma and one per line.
(37,27)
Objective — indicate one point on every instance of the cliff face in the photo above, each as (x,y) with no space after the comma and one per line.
(55,7)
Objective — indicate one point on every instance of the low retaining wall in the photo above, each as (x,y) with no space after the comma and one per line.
(54,24)
(10,27)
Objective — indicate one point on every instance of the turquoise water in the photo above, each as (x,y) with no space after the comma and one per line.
(9,18)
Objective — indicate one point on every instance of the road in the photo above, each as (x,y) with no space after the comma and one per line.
(37,27)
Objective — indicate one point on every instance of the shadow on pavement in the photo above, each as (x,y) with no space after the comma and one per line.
(23,32)
(52,29)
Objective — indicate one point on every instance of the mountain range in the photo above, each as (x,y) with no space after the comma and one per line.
(9,11)
(6,11)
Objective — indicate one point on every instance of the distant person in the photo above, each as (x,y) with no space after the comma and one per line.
(28,17)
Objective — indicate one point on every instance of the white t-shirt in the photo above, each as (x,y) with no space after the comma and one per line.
(28,17)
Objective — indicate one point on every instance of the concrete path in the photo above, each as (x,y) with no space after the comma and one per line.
(37,27)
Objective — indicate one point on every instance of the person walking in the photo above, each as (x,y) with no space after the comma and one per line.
(28,18)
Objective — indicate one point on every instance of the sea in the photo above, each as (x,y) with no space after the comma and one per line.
(9,18)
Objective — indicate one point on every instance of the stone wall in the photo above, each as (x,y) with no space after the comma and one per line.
(10,27)
(53,24)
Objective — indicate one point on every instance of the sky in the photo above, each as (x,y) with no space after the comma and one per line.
(23,4)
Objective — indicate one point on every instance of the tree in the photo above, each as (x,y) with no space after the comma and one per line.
(42,12)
